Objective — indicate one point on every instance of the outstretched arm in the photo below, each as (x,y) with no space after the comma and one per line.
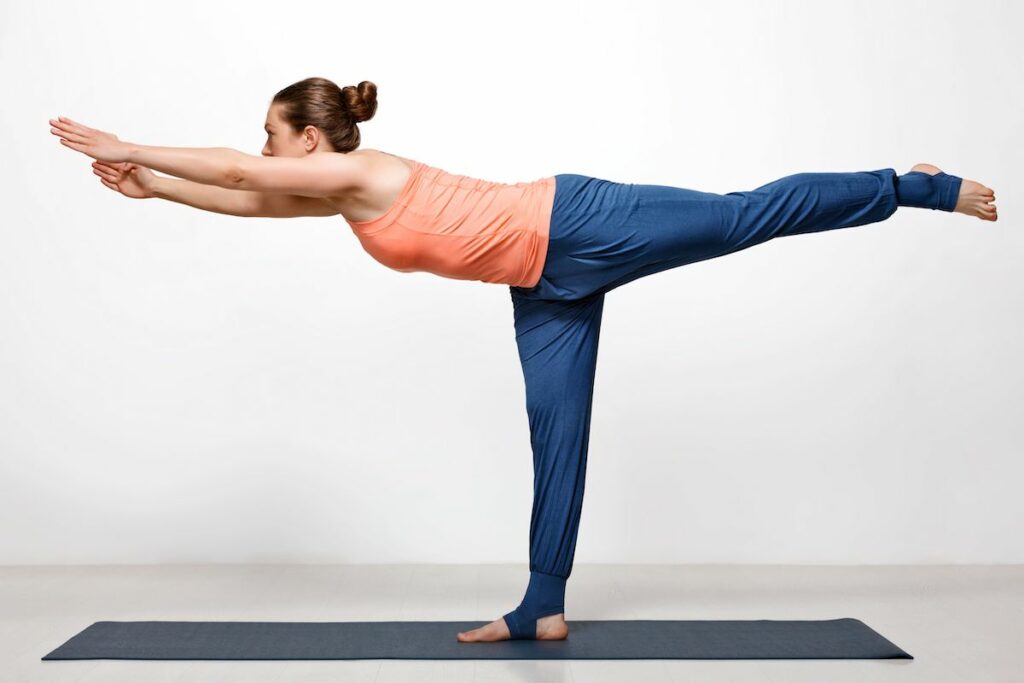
(241,202)
(315,175)
(139,182)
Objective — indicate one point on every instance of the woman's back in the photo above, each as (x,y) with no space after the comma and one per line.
(459,226)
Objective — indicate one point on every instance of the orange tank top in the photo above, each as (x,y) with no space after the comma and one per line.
(463,228)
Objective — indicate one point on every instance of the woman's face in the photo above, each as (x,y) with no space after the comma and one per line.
(282,141)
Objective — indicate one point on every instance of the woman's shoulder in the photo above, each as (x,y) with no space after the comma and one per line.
(382,177)
(379,158)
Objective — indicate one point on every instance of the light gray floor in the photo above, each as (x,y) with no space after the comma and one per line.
(961,623)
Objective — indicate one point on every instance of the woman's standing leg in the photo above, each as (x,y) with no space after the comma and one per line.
(557,343)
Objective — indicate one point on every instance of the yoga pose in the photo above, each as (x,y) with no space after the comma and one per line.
(559,243)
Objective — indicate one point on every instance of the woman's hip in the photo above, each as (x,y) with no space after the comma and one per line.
(602,231)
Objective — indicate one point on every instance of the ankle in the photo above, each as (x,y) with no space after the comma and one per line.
(928,191)
(545,597)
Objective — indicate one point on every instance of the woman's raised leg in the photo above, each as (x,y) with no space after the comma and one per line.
(630,231)
(680,226)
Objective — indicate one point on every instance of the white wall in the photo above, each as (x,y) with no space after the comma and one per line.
(180,386)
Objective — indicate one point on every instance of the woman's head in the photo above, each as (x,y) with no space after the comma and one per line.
(315,115)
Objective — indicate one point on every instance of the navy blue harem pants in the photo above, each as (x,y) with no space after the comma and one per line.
(604,234)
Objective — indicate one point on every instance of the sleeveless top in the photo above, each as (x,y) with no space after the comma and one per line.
(463,228)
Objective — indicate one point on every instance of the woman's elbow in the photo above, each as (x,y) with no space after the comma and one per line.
(237,173)
(235,178)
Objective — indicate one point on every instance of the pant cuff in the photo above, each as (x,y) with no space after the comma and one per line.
(926,191)
(545,595)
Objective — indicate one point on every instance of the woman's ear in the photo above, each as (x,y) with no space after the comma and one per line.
(310,138)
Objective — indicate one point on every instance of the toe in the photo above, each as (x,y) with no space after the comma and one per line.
(468,636)
(487,633)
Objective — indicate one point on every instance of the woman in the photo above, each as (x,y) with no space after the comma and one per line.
(560,243)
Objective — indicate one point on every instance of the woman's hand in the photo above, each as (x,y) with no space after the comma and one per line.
(89,141)
(131,180)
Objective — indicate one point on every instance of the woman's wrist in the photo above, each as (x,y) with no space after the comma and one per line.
(132,153)
(160,187)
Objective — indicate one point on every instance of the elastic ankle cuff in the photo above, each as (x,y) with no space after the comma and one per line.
(545,595)
(950,191)
(926,191)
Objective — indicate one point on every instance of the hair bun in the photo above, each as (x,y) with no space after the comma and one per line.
(360,101)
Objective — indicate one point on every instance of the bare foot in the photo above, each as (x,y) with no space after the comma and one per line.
(548,628)
(975,199)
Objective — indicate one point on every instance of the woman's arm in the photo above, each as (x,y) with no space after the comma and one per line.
(139,182)
(240,202)
(314,175)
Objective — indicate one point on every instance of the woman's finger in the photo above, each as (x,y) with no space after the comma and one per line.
(109,169)
(74,123)
(119,167)
(57,123)
(74,137)
(74,145)
(67,127)
(109,184)
(112,177)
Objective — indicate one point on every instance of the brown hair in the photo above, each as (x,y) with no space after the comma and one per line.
(335,111)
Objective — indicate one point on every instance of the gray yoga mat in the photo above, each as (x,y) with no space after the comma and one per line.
(630,639)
